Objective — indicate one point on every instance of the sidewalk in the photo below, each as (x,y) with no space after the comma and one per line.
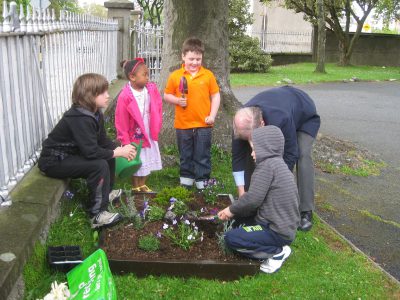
(35,205)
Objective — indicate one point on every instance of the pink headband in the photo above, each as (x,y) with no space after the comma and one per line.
(139,60)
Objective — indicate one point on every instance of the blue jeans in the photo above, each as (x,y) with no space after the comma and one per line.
(254,240)
(195,154)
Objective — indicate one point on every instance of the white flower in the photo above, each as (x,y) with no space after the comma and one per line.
(58,292)
(165,226)
(196,228)
(174,222)
(187,222)
(190,237)
(202,209)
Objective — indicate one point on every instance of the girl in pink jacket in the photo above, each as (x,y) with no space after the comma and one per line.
(138,117)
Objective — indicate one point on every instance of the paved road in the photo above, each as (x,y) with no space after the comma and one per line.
(367,114)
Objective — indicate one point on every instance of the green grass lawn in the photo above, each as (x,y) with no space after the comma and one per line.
(322,266)
(303,73)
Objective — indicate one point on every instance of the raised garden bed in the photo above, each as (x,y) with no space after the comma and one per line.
(204,258)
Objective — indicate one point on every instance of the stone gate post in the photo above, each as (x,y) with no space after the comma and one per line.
(121,10)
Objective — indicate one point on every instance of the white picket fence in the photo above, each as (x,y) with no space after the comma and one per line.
(40,58)
(285,41)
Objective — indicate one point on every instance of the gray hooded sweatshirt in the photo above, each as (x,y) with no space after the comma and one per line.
(272,196)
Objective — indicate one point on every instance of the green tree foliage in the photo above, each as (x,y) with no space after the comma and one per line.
(337,12)
(19,2)
(95,10)
(239,17)
(245,54)
(152,10)
(68,5)
(389,10)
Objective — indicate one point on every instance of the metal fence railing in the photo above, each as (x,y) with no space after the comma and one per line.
(40,57)
(147,42)
(285,41)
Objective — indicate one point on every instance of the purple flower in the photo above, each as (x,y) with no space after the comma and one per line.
(68,194)
(214,211)
(165,226)
(159,235)
(172,199)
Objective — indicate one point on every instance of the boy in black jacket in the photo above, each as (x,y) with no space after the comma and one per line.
(78,147)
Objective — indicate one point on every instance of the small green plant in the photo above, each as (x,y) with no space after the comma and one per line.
(137,222)
(170,150)
(126,208)
(228,225)
(212,188)
(149,243)
(179,208)
(183,235)
(166,194)
(155,213)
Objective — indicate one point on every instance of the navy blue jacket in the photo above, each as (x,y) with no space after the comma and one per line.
(291,110)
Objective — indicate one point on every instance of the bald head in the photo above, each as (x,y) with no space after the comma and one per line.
(246,119)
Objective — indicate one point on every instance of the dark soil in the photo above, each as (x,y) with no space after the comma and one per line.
(121,241)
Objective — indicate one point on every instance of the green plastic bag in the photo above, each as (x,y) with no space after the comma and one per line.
(92,279)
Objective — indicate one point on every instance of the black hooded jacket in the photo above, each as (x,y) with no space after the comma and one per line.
(79,132)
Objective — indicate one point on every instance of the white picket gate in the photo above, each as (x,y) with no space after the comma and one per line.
(40,58)
(147,41)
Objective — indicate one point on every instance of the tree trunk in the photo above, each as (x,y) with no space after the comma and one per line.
(208,21)
(344,58)
(320,68)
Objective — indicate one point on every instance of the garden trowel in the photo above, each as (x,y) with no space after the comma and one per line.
(183,88)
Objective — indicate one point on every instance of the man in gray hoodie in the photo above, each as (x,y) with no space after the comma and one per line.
(269,210)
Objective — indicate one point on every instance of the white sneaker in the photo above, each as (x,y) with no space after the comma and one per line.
(105,218)
(273,264)
(114,195)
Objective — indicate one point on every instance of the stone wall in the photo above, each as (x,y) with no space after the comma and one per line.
(374,49)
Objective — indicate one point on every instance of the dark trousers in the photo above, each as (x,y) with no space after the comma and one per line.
(254,240)
(99,175)
(195,153)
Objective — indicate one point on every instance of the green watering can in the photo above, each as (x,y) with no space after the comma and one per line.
(126,168)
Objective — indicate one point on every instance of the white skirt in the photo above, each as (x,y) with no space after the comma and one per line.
(150,157)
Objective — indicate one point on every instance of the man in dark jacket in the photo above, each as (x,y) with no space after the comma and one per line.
(294,112)
(270,206)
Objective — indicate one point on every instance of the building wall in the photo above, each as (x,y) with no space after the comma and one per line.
(275,15)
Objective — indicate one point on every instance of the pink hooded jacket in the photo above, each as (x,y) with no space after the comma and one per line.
(128,118)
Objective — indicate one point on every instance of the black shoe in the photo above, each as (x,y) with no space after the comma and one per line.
(305,221)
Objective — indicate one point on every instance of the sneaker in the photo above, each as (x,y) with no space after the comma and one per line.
(200,185)
(273,264)
(105,218)
(114,195)
(305,221)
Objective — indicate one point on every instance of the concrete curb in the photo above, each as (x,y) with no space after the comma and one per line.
(355,248)
(35,204)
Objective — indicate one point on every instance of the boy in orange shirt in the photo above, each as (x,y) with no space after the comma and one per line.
(195,113)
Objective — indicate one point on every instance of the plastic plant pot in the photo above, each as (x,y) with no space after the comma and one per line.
(64,258)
